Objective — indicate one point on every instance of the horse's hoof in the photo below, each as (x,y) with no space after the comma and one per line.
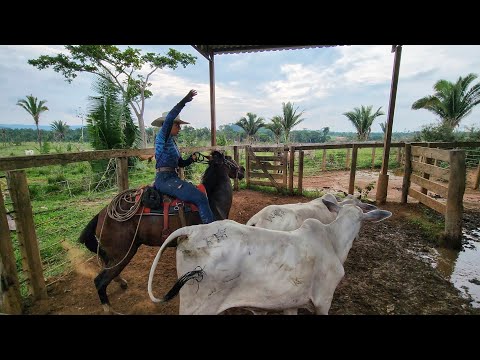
(122,281)
(109,311)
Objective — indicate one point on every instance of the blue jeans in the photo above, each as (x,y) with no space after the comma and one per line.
(169,183)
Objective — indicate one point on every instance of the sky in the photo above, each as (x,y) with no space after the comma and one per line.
(324,83)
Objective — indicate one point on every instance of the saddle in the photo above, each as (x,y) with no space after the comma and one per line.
(155,202)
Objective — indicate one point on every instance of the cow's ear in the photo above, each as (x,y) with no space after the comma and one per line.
(331,206)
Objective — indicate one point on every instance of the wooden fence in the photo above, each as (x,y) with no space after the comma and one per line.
(283,165)
(421,168)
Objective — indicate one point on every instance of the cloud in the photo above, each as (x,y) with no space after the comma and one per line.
(324,82)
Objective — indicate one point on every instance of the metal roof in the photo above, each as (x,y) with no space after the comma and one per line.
(208,50)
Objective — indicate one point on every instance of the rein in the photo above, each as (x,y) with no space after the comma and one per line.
(231,164)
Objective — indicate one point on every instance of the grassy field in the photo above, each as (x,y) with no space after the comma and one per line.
(52,148)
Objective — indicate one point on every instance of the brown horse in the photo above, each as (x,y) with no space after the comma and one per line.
(118,241)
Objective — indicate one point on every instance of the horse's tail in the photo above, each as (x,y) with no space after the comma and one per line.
(179,232)
(87,236)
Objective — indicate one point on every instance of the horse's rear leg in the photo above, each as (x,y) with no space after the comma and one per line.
(107,275)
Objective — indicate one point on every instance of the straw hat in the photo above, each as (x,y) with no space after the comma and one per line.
(159,122)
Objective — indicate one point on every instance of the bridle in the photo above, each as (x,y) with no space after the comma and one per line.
(230,163)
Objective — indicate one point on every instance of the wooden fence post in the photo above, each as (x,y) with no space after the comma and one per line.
(476,183)
(27,237)
(236,159)
(399,155)
(408,172)
(353,167)
(291,167)
(122,173)
(285,167)
(10,298)
(347,159)
(456,189)
(247,166)
(300,171)
(324,160)
(373,158)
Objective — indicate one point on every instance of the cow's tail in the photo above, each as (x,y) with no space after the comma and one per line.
(179,232)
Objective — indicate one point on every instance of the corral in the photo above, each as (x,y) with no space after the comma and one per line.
(382,273)
(385,272)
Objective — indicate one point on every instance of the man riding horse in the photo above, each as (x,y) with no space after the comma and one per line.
(168,160)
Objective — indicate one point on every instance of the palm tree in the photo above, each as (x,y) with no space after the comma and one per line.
(251,125)
(276,127)
(109,122)
(34,108)
(59,129)
(109,126)
(451,102)
(362,119)
(384,127)
(290,119)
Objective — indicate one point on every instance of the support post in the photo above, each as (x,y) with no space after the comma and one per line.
(382,185)
(211,65)
(353,168)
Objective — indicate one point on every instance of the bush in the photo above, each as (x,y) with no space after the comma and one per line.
(434,132)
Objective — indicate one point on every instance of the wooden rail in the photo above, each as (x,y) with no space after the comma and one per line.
(456,177)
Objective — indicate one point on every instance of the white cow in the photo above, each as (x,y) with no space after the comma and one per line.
(236,265)
(291,216)
(29,152)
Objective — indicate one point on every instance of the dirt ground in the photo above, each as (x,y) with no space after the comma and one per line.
(382,273)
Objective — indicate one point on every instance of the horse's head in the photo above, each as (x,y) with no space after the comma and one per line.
(234,170)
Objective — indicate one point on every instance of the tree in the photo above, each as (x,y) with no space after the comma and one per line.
(363,119)
(276,127)
(383,125)
(4,135)
(109,122)
(251,125)
(34,108)
(434,132)
(451,101)
(289,120)
(59,129)
(123,67)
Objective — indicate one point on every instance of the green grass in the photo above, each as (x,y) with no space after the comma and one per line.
(57,147)
(336,160)
(430,224)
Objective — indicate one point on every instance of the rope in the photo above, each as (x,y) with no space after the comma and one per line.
(115,210)
(130,248)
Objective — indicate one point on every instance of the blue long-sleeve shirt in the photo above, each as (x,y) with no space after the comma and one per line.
(166,150)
